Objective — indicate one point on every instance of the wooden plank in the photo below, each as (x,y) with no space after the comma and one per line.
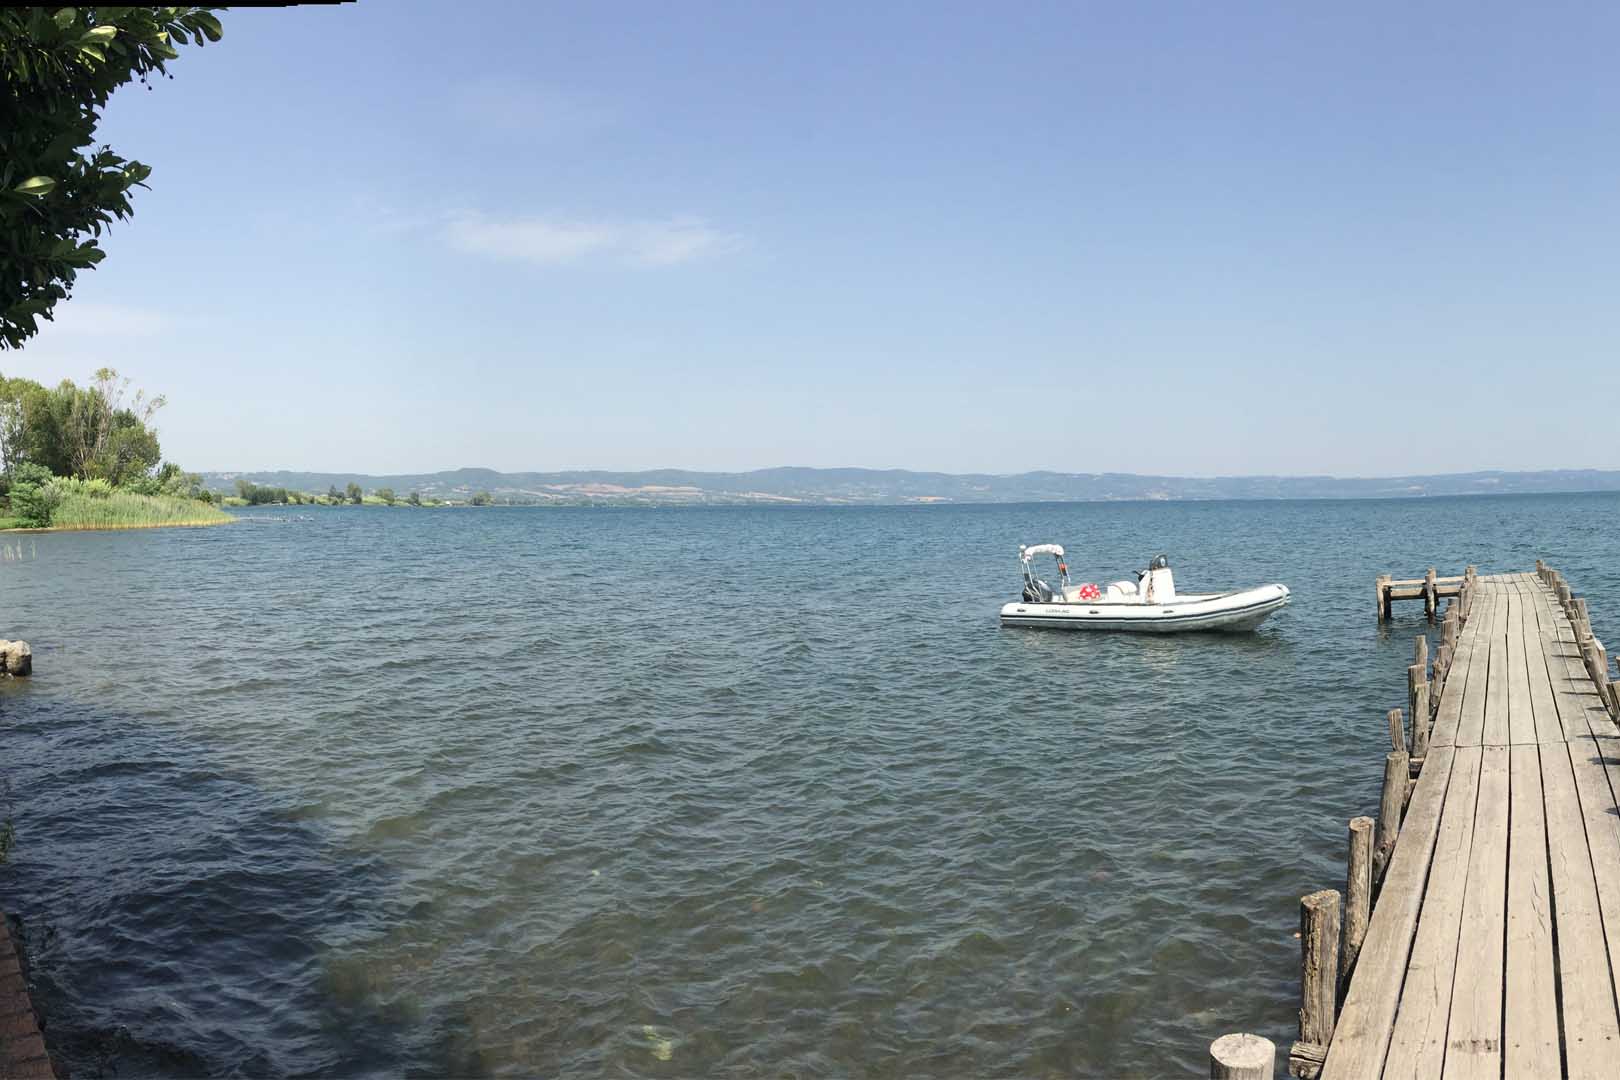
(1530,1037)
(1521,713)
(1474,1033)
(1363,1032)
(1448,716)
(1495,728)
(1548,727)
(1471,723)
(1588,1018)
(1602,818)
(1417,1044)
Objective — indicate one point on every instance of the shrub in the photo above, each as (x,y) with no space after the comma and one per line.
(32,504)
(89,489)
(28,472)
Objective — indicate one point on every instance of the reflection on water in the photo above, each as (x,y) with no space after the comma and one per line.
(673,793)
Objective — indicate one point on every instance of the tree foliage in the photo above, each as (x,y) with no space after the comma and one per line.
(57,193)
(260,494)
(355,494)
(94,432)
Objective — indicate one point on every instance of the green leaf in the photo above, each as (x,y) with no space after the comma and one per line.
(208,24)
(99,36)
(66,18)
(36,185)
(93,51)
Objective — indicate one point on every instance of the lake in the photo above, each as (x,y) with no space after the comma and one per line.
(694,792)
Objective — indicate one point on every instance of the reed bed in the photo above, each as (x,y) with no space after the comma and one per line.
(125,510)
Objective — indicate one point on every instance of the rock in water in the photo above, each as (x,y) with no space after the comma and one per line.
(16,658)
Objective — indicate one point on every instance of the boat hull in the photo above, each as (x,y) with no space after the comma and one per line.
(1232,612)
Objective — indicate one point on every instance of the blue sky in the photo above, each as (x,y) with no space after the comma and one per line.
(1177,238)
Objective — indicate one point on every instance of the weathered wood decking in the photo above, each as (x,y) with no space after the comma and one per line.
(1494,945)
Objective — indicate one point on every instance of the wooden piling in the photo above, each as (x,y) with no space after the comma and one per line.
(1357,898)
(1318,981)
(1442,668)
(1420,652)
(1381,588)
(1450,628)
(1579,617)
(1397,730)
(1397,766)
(1597,666)
(1420,711)
(1242,1056)
(1431,600)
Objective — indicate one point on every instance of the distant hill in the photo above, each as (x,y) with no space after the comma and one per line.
(898,486)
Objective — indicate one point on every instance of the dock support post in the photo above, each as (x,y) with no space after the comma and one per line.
(1597,666)
(1563,595)
(1420,711)
(1442,668)
(1357,898)
(1242,1057)
(1318,981)
(1420,653)
(1449,627)
(1578,616)
(1397,730)
(1381,590)
(1431,600)
(1397,766)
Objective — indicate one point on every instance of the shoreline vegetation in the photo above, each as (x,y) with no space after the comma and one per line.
(87,457)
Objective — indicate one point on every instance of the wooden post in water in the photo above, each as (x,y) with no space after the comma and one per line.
(1563,595)
(1397,766)
(1381,588)
(1420,712)
(1357,898)
(1597,666)
(1582,621)
(1318,981)
(1449,628)
(1442,668)
(1397,730)
(1431,599)
(1420,653)
(1242,1057)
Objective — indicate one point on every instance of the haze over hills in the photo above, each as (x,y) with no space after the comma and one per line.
(808,486)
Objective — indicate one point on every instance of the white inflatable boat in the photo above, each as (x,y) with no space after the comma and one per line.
(1150,603)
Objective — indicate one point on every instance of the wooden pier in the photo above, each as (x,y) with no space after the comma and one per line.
(1478,934)
(1428,588)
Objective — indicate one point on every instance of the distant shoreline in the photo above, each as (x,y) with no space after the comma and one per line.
(879,487)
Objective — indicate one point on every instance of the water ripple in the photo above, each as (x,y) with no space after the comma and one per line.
(722,793)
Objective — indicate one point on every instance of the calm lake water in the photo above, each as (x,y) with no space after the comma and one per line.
(700,792)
